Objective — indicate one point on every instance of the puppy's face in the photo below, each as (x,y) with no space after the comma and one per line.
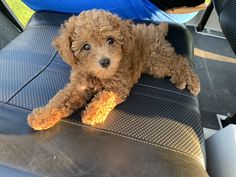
(96,42)
(98,47)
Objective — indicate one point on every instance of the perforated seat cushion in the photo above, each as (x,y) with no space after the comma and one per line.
(156,132)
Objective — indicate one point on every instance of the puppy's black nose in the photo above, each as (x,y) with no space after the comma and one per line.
(104,62)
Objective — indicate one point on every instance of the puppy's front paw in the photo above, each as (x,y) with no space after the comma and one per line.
(43,119)
(194,86)
(180,84)
(98,110)
(192,83)
(94,116)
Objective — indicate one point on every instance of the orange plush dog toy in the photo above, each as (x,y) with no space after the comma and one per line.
(107,56)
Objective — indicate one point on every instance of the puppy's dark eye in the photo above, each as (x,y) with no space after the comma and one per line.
(86,47)
(110,40)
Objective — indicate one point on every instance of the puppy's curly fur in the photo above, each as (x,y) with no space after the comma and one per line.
(129,50)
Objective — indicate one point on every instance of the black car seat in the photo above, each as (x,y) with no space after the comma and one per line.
(226,9)
(227,14)
(157,131)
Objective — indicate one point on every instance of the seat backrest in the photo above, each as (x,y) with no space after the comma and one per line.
(226,10)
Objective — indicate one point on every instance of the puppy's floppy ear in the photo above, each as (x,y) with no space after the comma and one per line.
(63,41)
(127,32)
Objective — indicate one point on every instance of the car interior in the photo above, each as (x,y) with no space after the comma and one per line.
(158,131)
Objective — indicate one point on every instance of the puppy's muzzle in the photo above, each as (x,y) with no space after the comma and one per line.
(104,62)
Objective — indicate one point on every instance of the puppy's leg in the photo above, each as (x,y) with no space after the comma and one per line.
(183,76)
(101,105)
(64,103)
(178,68)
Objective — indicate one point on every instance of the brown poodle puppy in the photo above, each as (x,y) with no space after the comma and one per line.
(107,56)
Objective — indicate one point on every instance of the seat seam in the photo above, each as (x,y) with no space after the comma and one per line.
(33,77)
(172,101)
(176,92)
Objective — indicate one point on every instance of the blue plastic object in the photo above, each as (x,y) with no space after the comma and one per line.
(128,9)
